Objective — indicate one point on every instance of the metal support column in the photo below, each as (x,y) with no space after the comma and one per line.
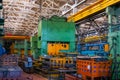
(25,48)
(19,51)
(114,38)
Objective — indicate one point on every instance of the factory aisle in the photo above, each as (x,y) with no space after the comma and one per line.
(33,76)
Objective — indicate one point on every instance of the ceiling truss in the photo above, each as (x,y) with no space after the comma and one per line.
(21,16)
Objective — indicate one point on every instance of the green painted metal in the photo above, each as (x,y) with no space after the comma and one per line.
(34,48)
(19,51)
(33,41)
(2,42)
(19,44)
(114,39)
(1,20)
(22,45)
(55,29)
(26,47)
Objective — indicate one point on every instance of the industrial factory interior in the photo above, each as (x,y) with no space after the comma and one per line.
(59,39)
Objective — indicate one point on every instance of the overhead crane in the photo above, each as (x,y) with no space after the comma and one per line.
(92,9)
(95,8)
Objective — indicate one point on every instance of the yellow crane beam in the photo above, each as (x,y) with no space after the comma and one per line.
(16,37)
(92,9)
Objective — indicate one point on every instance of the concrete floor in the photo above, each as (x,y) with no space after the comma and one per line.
(33,76)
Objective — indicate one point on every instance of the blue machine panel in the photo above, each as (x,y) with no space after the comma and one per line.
(97,49)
